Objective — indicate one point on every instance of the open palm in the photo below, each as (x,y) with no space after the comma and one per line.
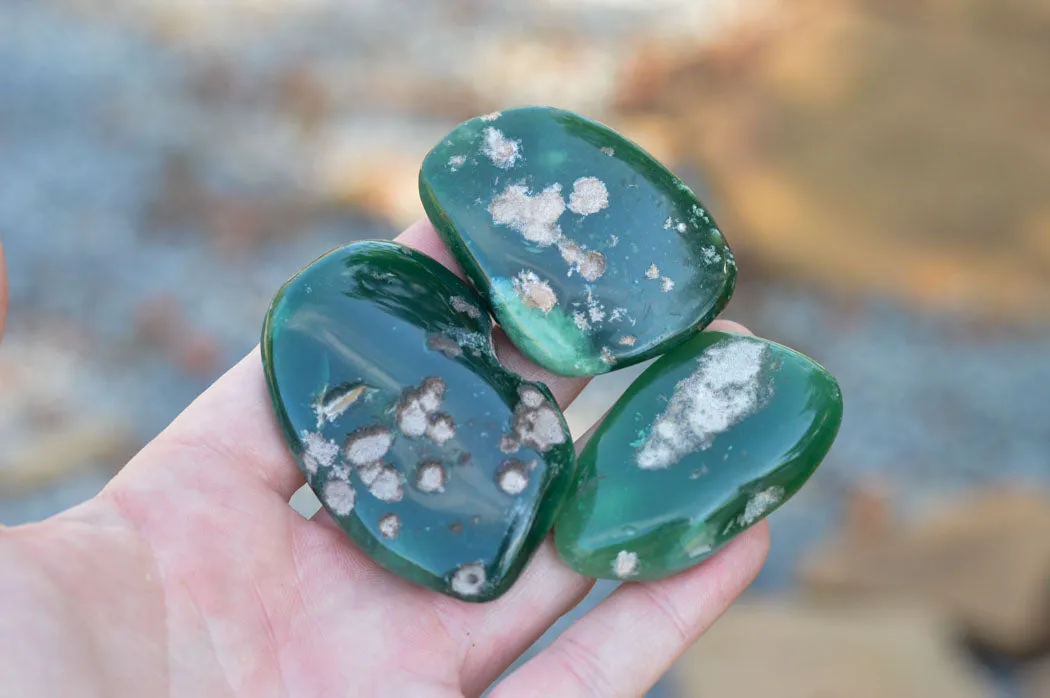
(190,575)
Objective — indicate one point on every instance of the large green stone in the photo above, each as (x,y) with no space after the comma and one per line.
(442,465)
(709,440)
(591,254)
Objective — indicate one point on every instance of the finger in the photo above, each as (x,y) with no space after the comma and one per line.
(629,640)
(230,429)
(3,290)
(502,630)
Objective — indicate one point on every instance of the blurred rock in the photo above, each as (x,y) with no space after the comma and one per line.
(983,560)
(852,143)
(1037,680)
(791,650)
(49,429)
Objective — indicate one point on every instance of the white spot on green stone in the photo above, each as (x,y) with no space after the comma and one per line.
(760,504)
(430,477)
(502,151)
(368,444)
(332,404)
(513,476)
(492,116)
(386,485)
(416,404)
(628,340)
(666,285)
(625,565)
(440,428)
(608,151)
(389,526)
(588,196)
(653,272)
(536,424)
(535,217)
(724,389)
(469,579)
(339,496)
(534,292)
(456,161)
(318,452)
(461,305)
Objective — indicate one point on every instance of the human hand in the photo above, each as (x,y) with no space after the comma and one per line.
(190,575)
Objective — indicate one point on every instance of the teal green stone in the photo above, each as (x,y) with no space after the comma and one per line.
(710,439)
(591,254)
(443,466)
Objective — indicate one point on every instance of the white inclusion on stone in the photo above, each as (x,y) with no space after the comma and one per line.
(653,272)
(581,321)
(530,397)
(461,305)
(456,161)
(536,424)
(534,292)
(389,526)
(318,452)
(628,340)
(502,151)
(469,579)
(513,476)
(618,314)
(339,496)
(608,151)
(416,404)
(368,473)
(386,485)
(333,403)
(446,345)
(725,388)
(607,356)
(491,116)
(535,217)
(681,227)
(440,428)
(614,240)
(710,254)
(430,477)
(666,285)
(592,267)
(588,196)
(368,445)
(595,310)
(508,444)
(625,565)
(590,264)
(760,504)
(668,223)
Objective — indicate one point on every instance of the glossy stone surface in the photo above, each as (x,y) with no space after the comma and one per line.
(443,466)
(708,441)
(592,255)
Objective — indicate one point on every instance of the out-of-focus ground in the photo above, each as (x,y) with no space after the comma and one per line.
(881,167)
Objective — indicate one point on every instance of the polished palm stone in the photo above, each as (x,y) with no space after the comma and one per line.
(442,465)
(591,254)
(710,439)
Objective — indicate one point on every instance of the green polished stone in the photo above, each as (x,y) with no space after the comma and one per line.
(591,254)
(442,465)
(708,441)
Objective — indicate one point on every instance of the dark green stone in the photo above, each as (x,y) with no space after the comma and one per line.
(591,254)
(708,441)
(442,465)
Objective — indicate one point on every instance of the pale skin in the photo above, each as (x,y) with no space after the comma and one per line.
(189,575)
